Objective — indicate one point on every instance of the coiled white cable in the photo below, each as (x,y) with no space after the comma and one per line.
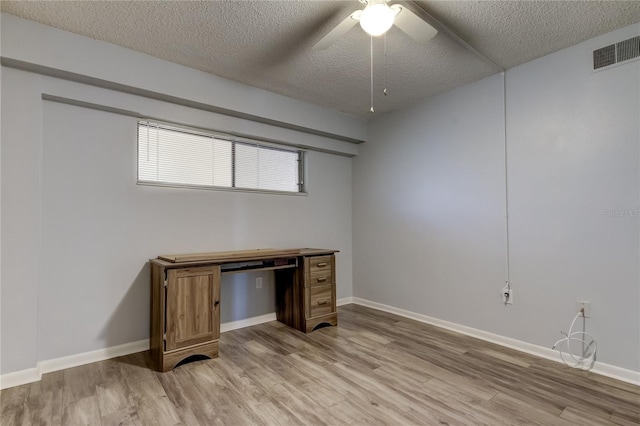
(588,357)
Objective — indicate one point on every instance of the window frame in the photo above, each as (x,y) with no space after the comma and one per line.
(233,139)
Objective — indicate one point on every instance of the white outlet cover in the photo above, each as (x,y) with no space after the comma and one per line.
(580,304)
(508,301)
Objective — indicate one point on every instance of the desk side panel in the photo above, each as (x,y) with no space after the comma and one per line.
(156,340)
(290,297)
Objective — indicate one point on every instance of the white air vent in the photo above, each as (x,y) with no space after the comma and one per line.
(616,53)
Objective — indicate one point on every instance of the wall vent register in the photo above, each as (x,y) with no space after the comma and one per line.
(615,53)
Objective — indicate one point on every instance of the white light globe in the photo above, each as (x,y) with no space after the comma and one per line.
(376,19)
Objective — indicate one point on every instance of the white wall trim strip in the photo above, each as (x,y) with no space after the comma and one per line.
(603,369)
(35,374)
(130,105)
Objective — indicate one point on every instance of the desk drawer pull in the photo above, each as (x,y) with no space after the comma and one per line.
(322,302)
(322,279)
(321,265)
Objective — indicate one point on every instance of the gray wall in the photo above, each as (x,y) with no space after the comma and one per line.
(99,227)
(429,198)
(76,229)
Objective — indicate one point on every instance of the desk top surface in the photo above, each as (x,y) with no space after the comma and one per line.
(235,256)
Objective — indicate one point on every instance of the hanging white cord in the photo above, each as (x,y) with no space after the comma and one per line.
(372,111)
(506,180)
(586,360)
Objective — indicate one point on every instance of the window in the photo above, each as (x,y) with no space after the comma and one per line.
(175,156)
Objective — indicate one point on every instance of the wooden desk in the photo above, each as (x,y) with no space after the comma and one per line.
(185,296)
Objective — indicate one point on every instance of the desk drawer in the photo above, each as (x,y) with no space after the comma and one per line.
(320,278)
(321,300)
(320,263)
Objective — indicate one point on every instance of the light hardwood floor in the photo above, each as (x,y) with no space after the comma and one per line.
(374,369)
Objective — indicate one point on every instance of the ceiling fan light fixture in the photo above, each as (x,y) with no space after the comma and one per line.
(376,19)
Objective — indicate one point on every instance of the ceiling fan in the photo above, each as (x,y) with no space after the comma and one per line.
(376,19)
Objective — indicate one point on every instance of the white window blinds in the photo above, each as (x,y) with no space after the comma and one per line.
(170,155)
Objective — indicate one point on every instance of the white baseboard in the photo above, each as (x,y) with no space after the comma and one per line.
(344,301)
(622,374)
(234,325)
(248,322)
(31,375)
(70,361)
(18,378)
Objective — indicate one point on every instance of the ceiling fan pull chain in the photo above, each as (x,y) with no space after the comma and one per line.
(372,111)
(384,66)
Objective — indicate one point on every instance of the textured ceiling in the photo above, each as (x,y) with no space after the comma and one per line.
(268,44)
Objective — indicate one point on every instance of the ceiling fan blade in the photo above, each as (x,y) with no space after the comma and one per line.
(412,25)
(339,31)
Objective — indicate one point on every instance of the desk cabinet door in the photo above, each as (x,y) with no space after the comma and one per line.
(193,306)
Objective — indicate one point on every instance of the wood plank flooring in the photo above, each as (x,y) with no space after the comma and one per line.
(374,369)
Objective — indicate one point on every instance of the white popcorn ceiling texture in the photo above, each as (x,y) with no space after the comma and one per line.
(268,44)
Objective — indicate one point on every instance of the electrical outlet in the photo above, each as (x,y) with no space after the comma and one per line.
(507,295)
(581,304)
(259,282)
